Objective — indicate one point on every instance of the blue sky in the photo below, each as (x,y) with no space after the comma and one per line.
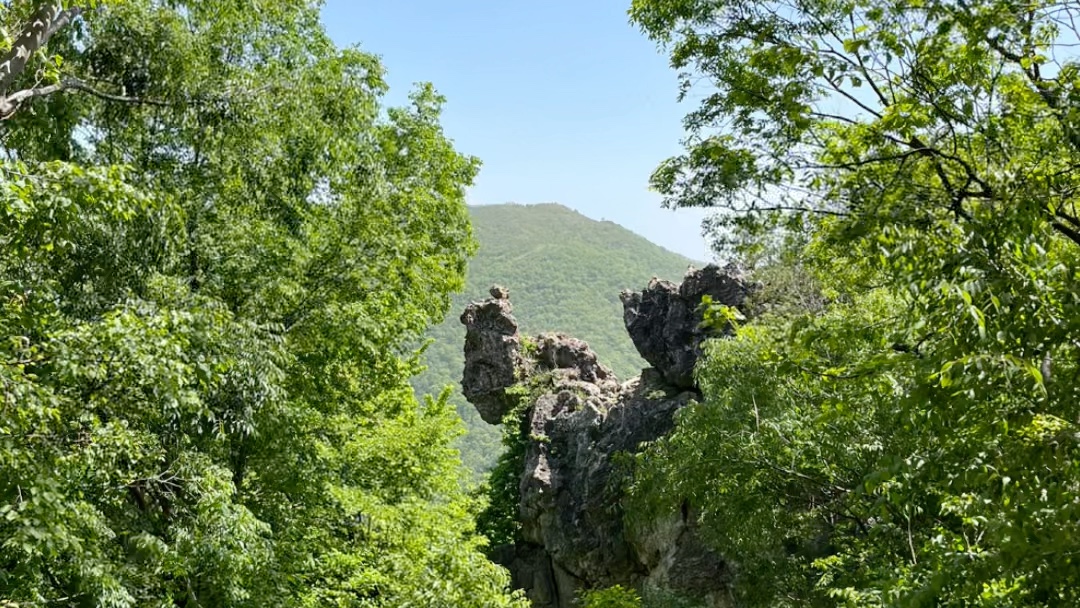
(563,100)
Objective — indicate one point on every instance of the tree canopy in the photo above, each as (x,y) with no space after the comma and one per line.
(216,246)
(912,439)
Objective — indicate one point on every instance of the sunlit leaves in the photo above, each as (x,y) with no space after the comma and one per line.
(210,274)
(934,160)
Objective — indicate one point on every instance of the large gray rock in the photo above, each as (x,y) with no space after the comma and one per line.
(578,424)
(570,358)
(574,533)
(664,319)
(493,361)
(531,570)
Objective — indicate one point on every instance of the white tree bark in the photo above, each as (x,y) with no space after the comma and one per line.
(49,18)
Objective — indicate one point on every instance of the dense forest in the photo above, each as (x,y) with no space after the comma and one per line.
(564,272)
(904,176)
(220,248)
(216,245)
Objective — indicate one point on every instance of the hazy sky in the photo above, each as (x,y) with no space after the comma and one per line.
(563,100)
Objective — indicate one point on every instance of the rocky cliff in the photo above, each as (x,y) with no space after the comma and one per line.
(577,422)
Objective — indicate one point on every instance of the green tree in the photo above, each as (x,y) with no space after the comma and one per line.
(215,248)
(916,443)
(612,597)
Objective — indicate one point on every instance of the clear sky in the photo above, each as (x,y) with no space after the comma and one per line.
(563,100)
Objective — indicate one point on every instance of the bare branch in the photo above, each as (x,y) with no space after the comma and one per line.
(70,83)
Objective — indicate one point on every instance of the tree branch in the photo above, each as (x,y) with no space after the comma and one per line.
(10,104)
(49,18)
(1069,233)
(70,83)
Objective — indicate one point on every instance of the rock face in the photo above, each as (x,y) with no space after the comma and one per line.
(664,320)
(493,359)
(578,419)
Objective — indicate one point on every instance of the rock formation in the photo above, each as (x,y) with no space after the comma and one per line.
(664,320)
(493,359)
(577,420)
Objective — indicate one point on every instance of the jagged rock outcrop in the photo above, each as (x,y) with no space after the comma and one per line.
(664,319)
(578,420)
(493,361)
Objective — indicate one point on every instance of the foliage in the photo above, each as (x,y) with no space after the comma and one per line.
(500,521)
(612,597)
(212,264)
(915,443)
(564,272)
(622,597)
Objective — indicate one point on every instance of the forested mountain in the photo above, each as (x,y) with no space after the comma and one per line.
(564,272)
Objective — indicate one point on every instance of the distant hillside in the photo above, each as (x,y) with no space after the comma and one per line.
(564,272)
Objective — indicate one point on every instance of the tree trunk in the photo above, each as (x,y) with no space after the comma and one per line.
(49,18)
